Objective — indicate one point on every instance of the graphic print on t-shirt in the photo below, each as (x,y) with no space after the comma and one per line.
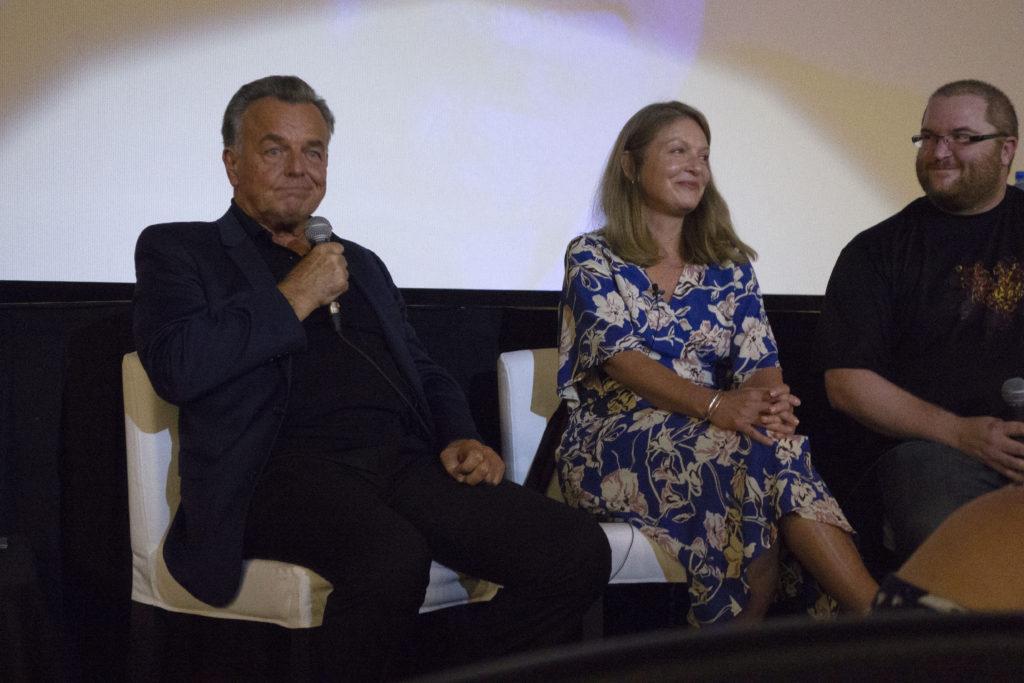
(996,294)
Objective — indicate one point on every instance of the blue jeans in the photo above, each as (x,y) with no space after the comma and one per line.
(922,483)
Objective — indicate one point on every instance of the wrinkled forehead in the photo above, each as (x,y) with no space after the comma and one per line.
(271,117)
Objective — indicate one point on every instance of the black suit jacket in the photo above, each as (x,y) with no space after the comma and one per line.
(215,336)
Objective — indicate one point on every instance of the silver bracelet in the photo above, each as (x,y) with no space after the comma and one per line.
(712,404)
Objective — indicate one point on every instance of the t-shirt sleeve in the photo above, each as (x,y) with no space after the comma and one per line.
(855,328)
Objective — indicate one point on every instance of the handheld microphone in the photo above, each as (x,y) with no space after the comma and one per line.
(1013,394)
(318,231)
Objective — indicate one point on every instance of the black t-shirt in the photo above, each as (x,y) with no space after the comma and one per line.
(346,399)
(933,302)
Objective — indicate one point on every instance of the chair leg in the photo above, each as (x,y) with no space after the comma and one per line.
(304,665)
(145,643)
(169,647)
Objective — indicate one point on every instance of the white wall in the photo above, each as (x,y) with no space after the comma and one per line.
(471,134)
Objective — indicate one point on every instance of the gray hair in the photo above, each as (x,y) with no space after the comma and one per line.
(291,89)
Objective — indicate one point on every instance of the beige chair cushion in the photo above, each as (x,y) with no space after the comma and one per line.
(527,397)
(274,592)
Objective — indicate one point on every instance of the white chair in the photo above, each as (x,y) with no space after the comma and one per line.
(527,397)
(273,592)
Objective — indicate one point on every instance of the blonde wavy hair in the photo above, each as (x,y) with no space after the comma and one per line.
(708,235)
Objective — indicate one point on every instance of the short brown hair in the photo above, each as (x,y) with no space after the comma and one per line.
(999,109)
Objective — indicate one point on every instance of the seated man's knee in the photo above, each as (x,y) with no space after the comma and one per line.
(908,477)
(405,578)
(598,557)
(394,577)
(906,459)
(587,557)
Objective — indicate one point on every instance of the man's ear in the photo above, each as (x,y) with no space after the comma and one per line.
(1008,151)
(231,165)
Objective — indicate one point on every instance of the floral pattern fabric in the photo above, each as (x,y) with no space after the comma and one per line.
(709,496)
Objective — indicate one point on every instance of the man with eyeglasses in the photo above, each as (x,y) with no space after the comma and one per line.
(923,322)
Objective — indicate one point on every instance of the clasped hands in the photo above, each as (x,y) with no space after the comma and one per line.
(747,408)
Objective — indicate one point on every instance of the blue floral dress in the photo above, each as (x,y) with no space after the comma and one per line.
(709,496)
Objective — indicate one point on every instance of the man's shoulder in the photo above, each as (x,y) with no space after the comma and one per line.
(184,228)
(191,229)
(906,218)
(919,219)
(909,218)
(1013,201)
(183,233)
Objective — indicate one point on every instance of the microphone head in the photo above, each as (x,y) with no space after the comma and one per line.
(318,230)
(1013,391)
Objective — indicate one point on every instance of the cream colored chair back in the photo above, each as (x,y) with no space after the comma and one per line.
(527,397)
(274,592)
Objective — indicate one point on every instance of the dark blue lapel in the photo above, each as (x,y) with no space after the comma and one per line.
(243,252)
(367,275)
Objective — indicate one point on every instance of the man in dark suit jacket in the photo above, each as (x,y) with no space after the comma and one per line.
(313,438)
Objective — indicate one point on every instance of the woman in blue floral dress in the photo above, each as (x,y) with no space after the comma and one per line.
(680,423)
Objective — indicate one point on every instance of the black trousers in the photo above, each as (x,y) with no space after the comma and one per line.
(373,531)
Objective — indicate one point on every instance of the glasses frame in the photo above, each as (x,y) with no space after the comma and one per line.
(918,140)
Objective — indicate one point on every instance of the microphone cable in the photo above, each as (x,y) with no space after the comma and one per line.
(373,364)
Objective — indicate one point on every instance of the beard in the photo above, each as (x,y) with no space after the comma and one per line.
(978,182)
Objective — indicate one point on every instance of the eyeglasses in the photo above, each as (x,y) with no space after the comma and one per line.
(930,140)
